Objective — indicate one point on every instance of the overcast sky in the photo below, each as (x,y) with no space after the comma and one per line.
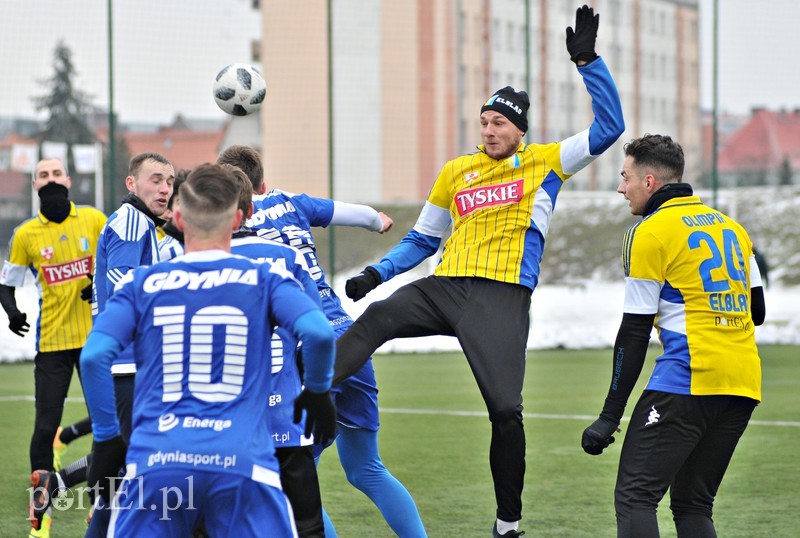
(167,52)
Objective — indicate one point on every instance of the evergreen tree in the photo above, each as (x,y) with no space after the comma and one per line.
(67,106)
(785,172)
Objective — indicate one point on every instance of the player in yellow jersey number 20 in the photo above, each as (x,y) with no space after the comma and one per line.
(690,270)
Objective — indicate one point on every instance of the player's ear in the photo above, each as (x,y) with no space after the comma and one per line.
(130,183)
(177,218)
(262,189)
(237,220)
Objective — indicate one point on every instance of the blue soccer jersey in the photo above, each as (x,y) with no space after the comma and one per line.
(285,375)
(127,241)
(288,218)
(201,329)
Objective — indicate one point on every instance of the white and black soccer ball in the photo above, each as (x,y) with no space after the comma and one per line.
(239,89)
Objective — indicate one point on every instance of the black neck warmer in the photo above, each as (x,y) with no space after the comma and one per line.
(667,192)
(54,202)
(171,230)
(136,202)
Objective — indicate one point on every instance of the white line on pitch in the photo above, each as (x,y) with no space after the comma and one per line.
(782,423)
(69,399)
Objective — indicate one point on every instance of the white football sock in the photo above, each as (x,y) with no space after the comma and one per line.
(504,526)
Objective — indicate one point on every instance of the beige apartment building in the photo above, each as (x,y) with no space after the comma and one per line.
(373,117)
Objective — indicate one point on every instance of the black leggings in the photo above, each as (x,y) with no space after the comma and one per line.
(681,443)
(491,321)
(52,375)
(301,486)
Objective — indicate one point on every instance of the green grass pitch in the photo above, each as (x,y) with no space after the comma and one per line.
(435,438)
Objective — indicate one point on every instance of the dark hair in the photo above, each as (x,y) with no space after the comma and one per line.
(248,160)
(138,160)
(659,152)
(245,189)
(180,177)
(208,193)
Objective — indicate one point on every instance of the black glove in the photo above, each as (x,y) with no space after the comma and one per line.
(86,293)
(598,436)
(108,457)
(364,282)
(18,323)
(580,42)
(320,415)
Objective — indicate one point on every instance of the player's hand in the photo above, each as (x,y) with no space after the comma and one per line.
(108,457)
(598,436)
(320,415)
(86,293)
(386,222)
(18,323)
(364,282)
(581,41)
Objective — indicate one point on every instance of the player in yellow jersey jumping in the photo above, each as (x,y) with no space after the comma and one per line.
(690,270)
(499,202)
(58,247)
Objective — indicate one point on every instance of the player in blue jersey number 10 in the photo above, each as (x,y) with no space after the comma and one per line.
(200,450)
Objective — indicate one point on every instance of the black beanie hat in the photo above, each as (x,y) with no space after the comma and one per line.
(513,105)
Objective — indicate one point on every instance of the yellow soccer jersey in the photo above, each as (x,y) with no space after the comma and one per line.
(60,255)
(690,265)
(500,212)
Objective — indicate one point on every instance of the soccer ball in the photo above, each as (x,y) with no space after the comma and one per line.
(239,89)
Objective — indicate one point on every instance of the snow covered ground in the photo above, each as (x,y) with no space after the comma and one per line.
(581,315)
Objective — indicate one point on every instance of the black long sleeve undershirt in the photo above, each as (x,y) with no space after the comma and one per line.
(7,299)
(758,307)
(630,350)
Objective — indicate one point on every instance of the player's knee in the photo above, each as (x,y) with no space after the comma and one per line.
(508,417)
(365,474)
(380,314)
(690,511)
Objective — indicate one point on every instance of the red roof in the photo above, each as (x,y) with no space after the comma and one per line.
(763,143)
(184,149)
(13,184)
(15,138)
